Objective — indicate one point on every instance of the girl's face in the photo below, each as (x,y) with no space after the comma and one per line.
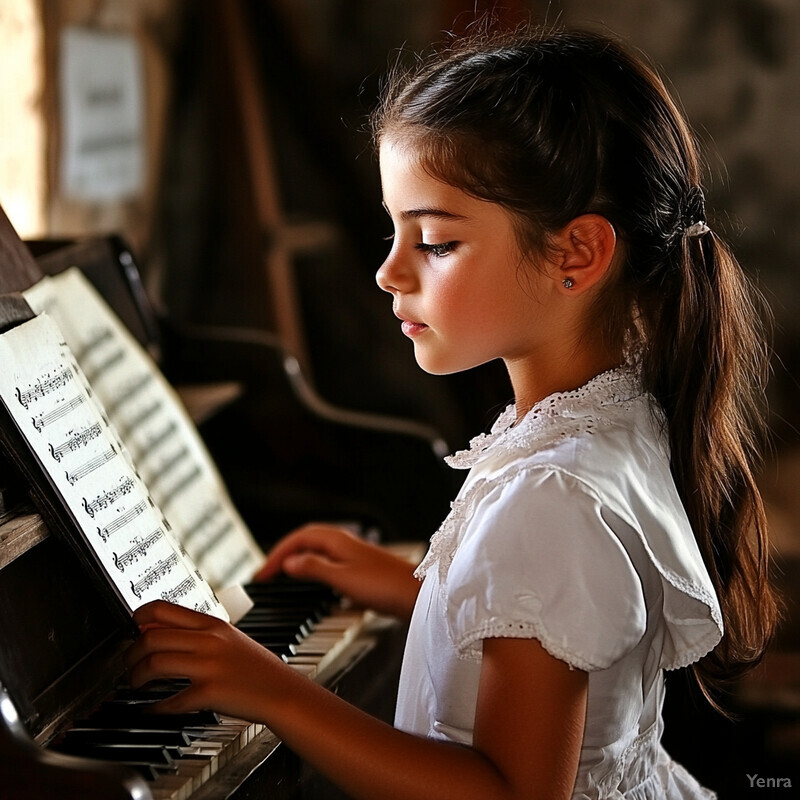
(459,282)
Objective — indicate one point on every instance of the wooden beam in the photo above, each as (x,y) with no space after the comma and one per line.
(18,270)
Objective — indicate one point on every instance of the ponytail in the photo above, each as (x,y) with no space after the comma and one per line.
(706,362)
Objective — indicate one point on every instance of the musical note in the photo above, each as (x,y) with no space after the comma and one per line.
(91,465)
(121,521)
(80,439)
(48,418)
(81,468)
(43,387)
(181,590)
(138,551)
(155,574)
(104,500)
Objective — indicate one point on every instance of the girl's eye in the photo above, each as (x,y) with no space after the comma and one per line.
(438,250)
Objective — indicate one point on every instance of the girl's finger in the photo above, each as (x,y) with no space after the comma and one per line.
(184,701)
(163,614)
(310,566)
(187,700)
(161,638)
(322,539)
(157,665)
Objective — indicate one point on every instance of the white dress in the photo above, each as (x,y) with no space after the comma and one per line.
(569,530)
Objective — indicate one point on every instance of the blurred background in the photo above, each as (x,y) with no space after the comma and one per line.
(226,141)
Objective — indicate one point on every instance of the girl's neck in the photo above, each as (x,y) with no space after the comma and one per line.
(533,380)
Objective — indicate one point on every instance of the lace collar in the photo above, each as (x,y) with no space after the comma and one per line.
(597,403)
(603,401)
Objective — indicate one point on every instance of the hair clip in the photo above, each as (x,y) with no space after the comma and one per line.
(694,214)
(696,229)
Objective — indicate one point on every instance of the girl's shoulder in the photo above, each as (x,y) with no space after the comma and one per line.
(576,563)
(579,494)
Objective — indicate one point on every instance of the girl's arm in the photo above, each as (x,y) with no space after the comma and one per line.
(367,574)
(528,725)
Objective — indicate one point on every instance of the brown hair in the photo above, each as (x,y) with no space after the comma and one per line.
(553,124)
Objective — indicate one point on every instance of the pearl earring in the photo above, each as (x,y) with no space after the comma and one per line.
(568,283)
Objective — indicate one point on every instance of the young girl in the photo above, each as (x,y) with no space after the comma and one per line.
(545,195)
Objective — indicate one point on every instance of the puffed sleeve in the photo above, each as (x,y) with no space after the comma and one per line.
(538,560)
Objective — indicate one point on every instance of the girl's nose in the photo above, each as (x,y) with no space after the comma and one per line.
(382,277)
(393,276)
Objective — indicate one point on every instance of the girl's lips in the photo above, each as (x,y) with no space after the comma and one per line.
(413,328)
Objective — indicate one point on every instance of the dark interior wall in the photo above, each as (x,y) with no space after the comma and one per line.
(733,63)
(320,63)
(735,66)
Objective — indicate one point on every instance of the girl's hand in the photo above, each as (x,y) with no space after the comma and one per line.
(229,672)
(370,576)
(529,719)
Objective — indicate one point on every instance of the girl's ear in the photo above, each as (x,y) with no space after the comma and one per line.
(586,248)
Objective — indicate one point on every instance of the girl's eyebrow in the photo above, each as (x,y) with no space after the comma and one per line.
(435,213)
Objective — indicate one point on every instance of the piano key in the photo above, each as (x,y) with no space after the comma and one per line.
(281,649)
(147,694)
(302,622)
(121,745)
(291,632)
(139,715)
(202,750)
(284,585)
(153,754)
(175,738)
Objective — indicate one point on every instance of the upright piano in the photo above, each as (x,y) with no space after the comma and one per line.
(63,699)
(69,726)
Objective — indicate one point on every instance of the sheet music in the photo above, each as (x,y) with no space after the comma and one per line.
(148,416)
(51,403)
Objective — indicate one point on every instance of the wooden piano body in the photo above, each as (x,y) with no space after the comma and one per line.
(61,651)
(61,647)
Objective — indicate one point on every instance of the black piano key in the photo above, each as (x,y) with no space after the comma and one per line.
(292,602)
(278,648)
(139,715)
(265,594)
(287,615)
(289,633)
(166,738)
(305,623)
(155,690)
(290,586)
(145,694)
(146,753)
(290,610)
